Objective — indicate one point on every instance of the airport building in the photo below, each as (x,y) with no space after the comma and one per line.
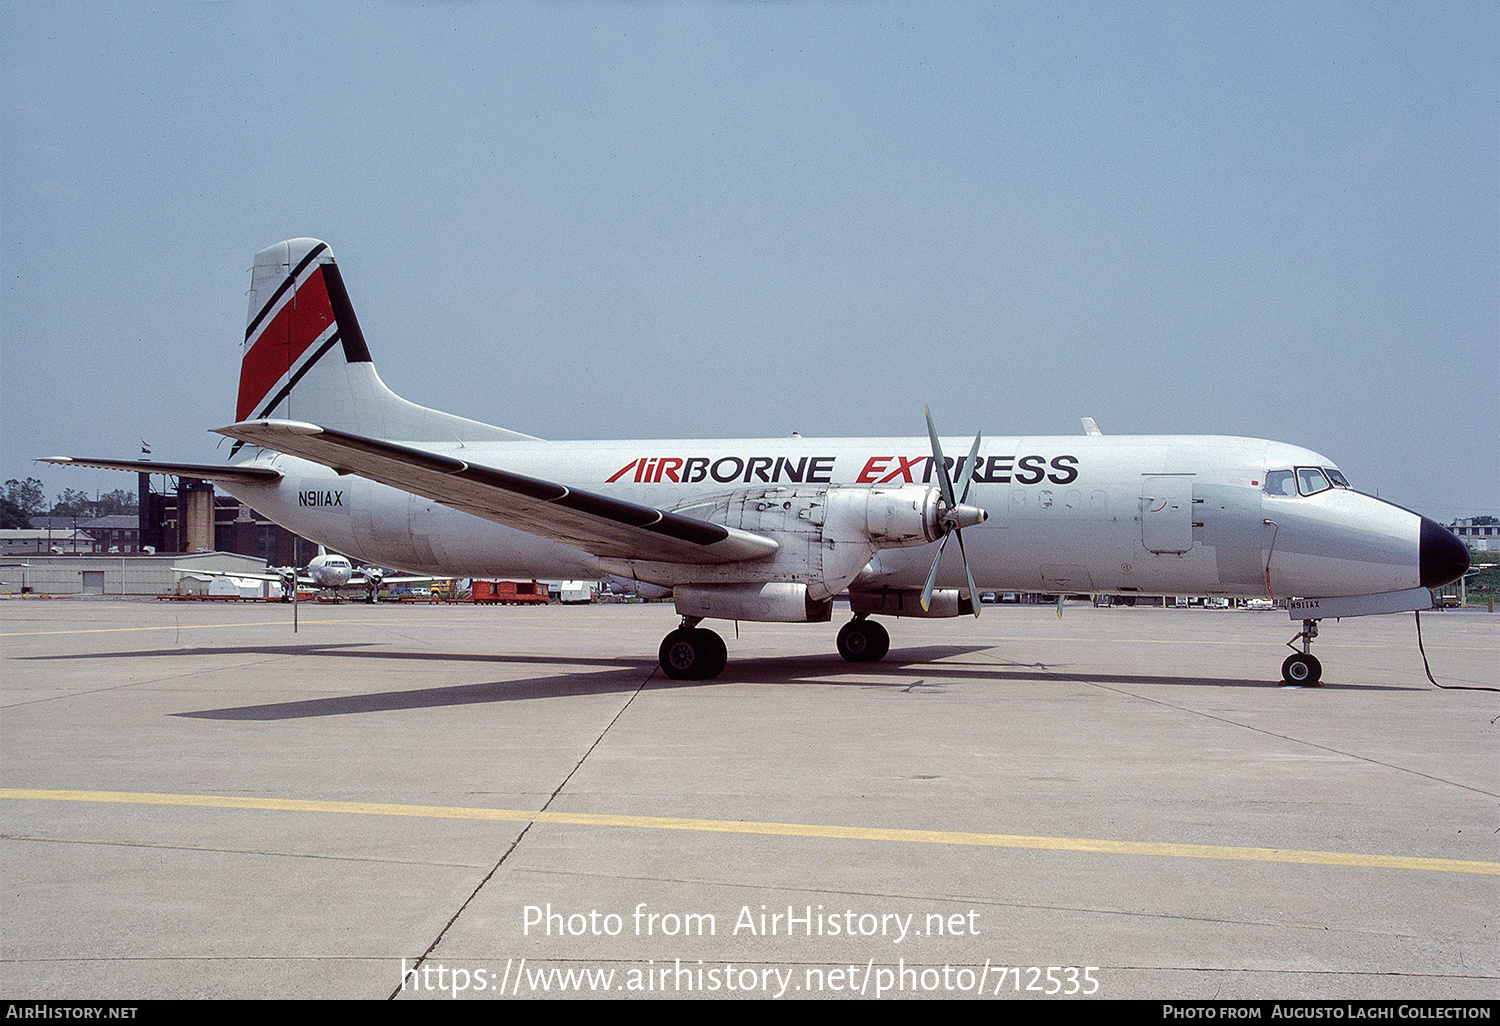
(134,574)
(187,516)
(115,533)
(184,524)
(39,542)
(1480,534)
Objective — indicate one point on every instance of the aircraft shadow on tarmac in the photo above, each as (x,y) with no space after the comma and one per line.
(903,670)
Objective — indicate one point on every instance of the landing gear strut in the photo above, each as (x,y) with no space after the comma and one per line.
(692,652)
(1302,668)
(863,641)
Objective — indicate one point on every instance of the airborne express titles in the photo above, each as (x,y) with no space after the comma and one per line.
(819,469)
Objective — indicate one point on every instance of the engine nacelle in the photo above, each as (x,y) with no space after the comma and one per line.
(826,535)
(908,602)
(885,518)
(772,602)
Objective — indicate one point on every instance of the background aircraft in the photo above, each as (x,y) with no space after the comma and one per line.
(773,529)
(324,571)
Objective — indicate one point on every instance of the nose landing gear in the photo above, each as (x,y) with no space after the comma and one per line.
(1302,669)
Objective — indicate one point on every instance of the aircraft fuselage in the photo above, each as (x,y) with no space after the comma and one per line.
(1119,514)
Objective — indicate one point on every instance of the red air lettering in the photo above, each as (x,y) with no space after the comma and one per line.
(872,470)
(748,470)
(623,471)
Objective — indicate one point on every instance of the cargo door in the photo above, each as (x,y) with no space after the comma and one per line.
(1167,514)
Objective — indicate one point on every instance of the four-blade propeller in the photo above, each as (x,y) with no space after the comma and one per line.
(954,513)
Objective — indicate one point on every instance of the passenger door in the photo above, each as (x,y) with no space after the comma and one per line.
(1167,514)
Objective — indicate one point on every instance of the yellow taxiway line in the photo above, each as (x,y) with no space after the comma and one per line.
(722,826)
(216,626)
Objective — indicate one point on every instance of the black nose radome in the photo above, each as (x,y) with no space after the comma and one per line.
(1443,557)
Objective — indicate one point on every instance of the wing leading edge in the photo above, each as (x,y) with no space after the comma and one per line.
(206,471)
(594,523)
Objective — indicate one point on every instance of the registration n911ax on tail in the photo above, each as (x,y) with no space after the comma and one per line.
(772,529)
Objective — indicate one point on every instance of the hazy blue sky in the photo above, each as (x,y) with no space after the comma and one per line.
(663,219)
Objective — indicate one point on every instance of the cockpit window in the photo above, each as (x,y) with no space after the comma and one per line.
(1311,480)
(1339,480)
(1280,482)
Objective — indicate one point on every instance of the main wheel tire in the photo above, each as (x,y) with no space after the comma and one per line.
(852,641)
(692,654)
(1302,670)
(863,641)
(716,653)
(678,655)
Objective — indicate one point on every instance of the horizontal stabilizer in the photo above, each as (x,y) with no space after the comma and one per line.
(595,523)
(207,471)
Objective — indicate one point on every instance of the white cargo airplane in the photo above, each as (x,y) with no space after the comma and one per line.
(773,529)
(326,570)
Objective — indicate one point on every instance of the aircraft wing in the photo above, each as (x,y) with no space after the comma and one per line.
(594,523)
(363,580)
(252,575)
(206,471)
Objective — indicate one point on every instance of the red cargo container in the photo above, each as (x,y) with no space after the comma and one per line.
(509,593)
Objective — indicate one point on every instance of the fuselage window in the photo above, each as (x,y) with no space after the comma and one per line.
(1280,482)
(1311,480)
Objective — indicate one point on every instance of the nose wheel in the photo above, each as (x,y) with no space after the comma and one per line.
(1302,669)
(692,653)
(863,641)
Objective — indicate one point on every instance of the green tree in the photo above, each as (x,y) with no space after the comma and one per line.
(116,503)
(22,501)
(12,516)
(71,503)
(27,496)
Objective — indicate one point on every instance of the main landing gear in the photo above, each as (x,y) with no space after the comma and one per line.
(862,640)
(692,652)
(1302,668)
(695,653)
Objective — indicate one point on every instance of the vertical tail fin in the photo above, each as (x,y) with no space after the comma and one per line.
(305,356)
(299,311)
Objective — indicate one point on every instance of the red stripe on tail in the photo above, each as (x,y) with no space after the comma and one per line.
(295,327)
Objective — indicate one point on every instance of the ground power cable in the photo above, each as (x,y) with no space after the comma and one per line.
(1428,669)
